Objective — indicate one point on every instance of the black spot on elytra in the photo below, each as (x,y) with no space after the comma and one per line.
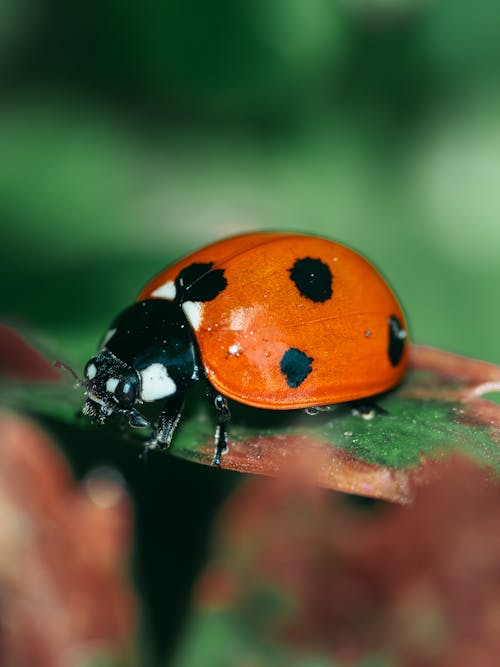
(312,278)
(198,282)
(397,340)
(295,366)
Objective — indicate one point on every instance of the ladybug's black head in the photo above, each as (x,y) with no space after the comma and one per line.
(148,354)
(111,386)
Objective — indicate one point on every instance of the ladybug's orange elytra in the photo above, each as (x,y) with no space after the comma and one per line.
(302,321)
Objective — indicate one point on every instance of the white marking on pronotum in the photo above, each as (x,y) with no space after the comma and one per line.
(193,311)
(91,371)
(166,291)
(111,384)
(156,383)
(108,337)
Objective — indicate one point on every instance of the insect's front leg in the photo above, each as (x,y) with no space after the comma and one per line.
(167,423)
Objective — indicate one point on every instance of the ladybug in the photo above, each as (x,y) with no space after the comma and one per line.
(277,321)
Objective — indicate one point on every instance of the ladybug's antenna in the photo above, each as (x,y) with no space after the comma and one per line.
(68,369)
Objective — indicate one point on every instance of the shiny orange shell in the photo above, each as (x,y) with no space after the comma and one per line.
(244,333)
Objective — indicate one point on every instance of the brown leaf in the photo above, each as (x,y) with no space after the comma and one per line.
(20,361)
(64,594)
(417,586)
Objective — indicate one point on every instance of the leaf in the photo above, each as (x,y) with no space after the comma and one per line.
(299,576)
(65,599)
(19,360)
(439,409)
(30,379)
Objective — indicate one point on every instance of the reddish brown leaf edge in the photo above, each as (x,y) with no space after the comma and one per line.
(20,361)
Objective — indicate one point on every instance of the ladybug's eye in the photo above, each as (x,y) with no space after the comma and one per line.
(125,392)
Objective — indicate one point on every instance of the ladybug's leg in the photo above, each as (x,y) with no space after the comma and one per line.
(167,423)
(316,409)
(223,417)
(367,409)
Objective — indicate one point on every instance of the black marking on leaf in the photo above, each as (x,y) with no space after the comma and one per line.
(198,282)
(397,340)
(295,366)
(312,278)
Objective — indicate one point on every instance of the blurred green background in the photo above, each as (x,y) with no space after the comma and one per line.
(132,133)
